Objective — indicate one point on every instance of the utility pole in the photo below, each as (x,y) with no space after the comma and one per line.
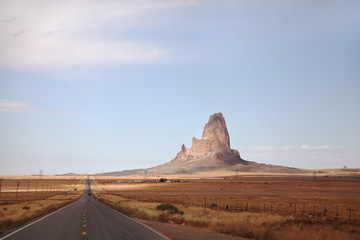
(17,189)
(0,186)
(28,189)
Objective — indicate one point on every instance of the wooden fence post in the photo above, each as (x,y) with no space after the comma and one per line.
(205,204)
(278,209)
(314,211)
(350,213)
(303,208)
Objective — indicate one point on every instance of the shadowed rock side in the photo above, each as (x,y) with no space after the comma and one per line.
(211,152)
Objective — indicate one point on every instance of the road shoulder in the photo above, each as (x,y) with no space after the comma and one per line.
(182,232)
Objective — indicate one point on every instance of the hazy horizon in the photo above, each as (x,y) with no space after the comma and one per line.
(101,86)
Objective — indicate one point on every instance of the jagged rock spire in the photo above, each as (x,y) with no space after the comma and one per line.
(215,135)
(216,131)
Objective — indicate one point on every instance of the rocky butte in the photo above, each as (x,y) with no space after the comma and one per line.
(210,153)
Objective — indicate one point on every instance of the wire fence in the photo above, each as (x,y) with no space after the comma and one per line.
(19,190)
(298,210)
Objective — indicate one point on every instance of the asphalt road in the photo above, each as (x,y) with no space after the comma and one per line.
(86,218)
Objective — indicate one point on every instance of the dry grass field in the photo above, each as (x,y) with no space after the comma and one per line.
(252,206)
(25,198)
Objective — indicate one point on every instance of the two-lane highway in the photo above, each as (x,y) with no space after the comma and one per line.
(86,218)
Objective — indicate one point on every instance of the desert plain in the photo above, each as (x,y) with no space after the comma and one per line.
(325,205)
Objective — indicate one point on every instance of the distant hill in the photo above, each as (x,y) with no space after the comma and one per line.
(71,174)
(210,153)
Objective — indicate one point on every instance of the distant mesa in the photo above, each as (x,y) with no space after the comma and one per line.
(210,153)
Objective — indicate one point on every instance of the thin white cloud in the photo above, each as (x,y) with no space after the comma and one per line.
(7,105)
(167,147)
(287,147)
(46,33)
(309,147)
(304,156)
(18,34)
(9,20)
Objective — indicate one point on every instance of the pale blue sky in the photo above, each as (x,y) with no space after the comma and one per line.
(97,86)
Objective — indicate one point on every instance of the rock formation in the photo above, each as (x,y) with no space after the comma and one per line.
(211,152)
(214,144)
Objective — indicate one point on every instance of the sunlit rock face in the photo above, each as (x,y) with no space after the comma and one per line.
(215,135)
(210,152)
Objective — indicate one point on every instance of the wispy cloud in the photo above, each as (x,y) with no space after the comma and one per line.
(76,33)
(287,147)
(9,20)
(167,147)
(18,34)
(304,156)
(7,105)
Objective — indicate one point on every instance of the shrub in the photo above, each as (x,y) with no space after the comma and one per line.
(170,208)
(213,205)
(5,208)
(26,207)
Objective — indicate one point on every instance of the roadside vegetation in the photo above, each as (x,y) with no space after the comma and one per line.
(26,206)
(220,210)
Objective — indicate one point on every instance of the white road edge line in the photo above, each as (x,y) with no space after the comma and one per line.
(151,229)
(38,220)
